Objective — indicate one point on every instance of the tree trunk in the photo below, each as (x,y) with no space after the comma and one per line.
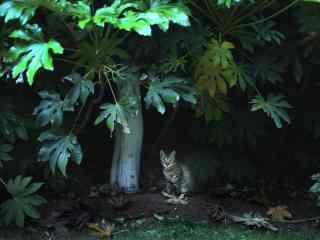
(125,168)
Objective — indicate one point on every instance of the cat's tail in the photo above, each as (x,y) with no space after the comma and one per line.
(187,181)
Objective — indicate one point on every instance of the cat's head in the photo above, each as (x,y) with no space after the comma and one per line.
(168,160)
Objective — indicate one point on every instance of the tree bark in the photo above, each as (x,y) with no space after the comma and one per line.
(126,160)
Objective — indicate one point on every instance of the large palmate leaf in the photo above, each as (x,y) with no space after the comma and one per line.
(140,16)
(117,113)
(96,55)
(274,106)
(168,90)
(173,62)
(111,14)
(80,90)
(34,53)
(22,10)
(216,70)
(4,153)
(80,9)
(50,109)
(58,149)
(269,68)
(212,109)
(265,32)
(245,77)
(11,125)
(25,10)
(315,188)
(23,201)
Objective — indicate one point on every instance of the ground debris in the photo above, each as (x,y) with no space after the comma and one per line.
(176,200)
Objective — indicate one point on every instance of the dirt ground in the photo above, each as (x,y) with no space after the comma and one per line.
(71,214)
(149,204)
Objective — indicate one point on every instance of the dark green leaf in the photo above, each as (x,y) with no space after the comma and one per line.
(117,113)
(5,149)
(81,89)
(168,90)
(58,149)
(50,109)
(23,201)
(274,106)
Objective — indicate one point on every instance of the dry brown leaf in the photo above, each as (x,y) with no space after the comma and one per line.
(102,231)
(279,213)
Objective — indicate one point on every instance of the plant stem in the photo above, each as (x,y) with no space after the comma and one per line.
(70,61)
(112,91)
(269,17)
(3,182)
(80,111)
(77,118)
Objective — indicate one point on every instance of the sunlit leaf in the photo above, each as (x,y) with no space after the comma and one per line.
(34,54)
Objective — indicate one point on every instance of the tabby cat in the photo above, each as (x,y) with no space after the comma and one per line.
(192,172)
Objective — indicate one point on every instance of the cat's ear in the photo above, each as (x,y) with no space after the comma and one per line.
(172,155)
(162,154)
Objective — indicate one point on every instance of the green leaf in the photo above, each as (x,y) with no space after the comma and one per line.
(316,1)
(117,113)
(82,11)
(5,149)
(245,78)
(269,68)
(137,16)
(168,90)
(11,125)
(315,188)
(50,109)
(25,10)
(58,149)
(33,54)
(274,106)
(101,53)
(23,202)
(228,3)
(22,10)
(264,32)
(112,13)
(80,90)
(212,109)
(216,70)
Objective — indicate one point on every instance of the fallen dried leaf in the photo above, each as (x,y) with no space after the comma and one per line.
(279,213)
(102,231)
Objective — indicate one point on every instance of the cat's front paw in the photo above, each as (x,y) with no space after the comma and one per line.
(166,194)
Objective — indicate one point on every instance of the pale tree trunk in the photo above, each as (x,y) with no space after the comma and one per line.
(125,168)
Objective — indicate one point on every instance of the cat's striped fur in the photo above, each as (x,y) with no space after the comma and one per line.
(178,176)
(192,172)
